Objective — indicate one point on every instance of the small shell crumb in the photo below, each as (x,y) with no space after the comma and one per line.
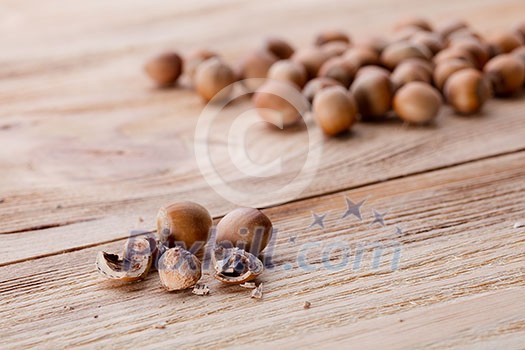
(307,305)
(519,224)
(201,289)
(257,293)
(249,285)
(161,325)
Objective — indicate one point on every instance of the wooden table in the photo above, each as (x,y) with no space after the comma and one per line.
(89,151)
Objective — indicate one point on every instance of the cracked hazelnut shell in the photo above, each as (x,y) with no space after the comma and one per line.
(235,266)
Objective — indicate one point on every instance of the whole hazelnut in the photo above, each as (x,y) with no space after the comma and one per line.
(478,51)
(451,26)
(214,76)
(418,22)
(164,69)
(312,58)
(277,103)
(246,228)
(395,53)
(467,90)
(335,48)
(334,110)
(520,29)
(288,71)
(373,69)
(519,53)
(179,269)
(256,64)
(446,68)
(506,74)
(313,87)
(462,34)
(455,53)
(374,43)
(194,59)
(183,223)
(279,47)
(340,69)
(373,94)
(417,102)
(361,56)
(406,72)
(433,41)
(505,42)
(405,34)
(331,36)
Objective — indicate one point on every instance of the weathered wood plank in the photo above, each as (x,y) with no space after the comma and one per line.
(461,264)
(96,143)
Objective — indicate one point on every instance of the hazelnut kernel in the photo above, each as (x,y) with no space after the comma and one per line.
(212,77)
(179,269)
(467,90)
(334,110)
(164,69)
(417,102)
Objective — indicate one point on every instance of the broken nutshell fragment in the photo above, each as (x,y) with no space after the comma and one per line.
(201,289)
(179,269)
(134,265)
(257,293)
(235,265)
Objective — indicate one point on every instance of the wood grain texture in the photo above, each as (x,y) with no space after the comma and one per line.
(97,148)
(88,147)
(459,282)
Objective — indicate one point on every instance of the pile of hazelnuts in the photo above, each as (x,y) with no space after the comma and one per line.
(184,238)
(407,76)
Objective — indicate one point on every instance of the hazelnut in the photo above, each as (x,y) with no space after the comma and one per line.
(451,26)
(312,58)
(505,42)
(506,74)
(256,64)
(417,102)
(331,36)
(315,85)
(134,265)
(361,56)
(446,68)
(373,69)
(432,41)
(417,22)
(467,90)
(194,59)
(179,269)
(340,69)
(212,77)
(235,265)
(479,52)
(246,228)
(463,34)
(289,72)
(405,34)
(520,53)
(455,53)
(164,69)
(335,48)
(374,43)
(520,29)
(278,103)
(183,224)
(334,110)
(279,47)
(373,94)
(406,72)
(394,53)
